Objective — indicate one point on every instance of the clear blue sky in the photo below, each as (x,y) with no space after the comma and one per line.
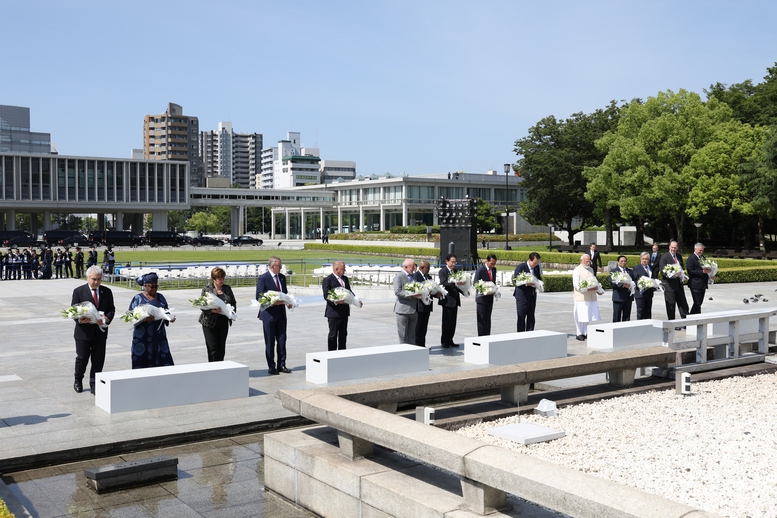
(398,86)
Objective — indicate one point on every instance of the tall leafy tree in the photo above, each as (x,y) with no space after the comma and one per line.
(753,104)
(552,159)
(759,183)
(486,216)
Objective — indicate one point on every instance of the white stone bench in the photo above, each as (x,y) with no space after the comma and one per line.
(365,362)
(160,387)
(510,348)
(624,335)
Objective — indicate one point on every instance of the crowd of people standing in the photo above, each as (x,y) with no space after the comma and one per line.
(47,263)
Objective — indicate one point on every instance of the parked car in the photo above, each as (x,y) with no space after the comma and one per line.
(80,240)
(18,238)
(165,238)
(53,237)
(122,238)
(206,241)
(245,240)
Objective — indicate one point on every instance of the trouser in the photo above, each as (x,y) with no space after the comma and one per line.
(275,334)
(84,350)
(338,333)
(449,315)
(216,339)
(483,311)
(421,325)
(406,324)
(525,311)
(79,270)
(675,294)
(621,311)
(644,307)
(698,298)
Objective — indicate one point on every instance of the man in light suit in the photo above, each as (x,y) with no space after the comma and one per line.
(673,287)
(450,303)
(90,339)
(643,299)
(337,313)
(406,306)
(273,318)
(526,295)
(484,304)
(698,278)
(596,258)
(621,293)
(424,311)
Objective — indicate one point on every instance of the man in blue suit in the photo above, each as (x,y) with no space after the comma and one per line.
(621,293)
(526,295)
(644,299)
(273,318)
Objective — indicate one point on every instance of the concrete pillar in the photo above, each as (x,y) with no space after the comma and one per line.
(339,220)
(515,395)
(46,220)
(272,224)
(118,221)
(404,213)
(235,227)
(100,220)
(159,220)
(288,223)
(480,498)
(353,448)
(301,223)
(382,216)
(10,219)
(321,220)
(134,223)
(361,218)
(34,223)
(622,378)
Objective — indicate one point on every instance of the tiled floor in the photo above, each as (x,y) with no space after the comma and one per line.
(221,478)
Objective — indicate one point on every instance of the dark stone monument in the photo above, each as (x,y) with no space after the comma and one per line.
(458,230)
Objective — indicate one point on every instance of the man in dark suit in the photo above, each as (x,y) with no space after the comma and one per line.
(526,295)
(273,318)
(621,293)
(673,287)
(698,278)
(90,339)
(484,304)
(655,259)
(596,258)
(643,299)
(450,303)
(424,311)
(337,313)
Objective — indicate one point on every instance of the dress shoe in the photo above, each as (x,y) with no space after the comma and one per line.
(585,337)
(445,346)
(273,371)
(580,337)
(454,345)
(284,370)
(78,386)
(91,389)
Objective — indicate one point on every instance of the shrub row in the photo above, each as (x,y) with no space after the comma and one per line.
(397,251)
(414,229)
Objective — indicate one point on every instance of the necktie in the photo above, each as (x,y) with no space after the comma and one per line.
(94,296)
(647,268)
(277,282)
(490,278)
(341,282)
(675,258)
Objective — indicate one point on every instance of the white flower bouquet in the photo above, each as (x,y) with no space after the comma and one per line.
(671,271)
(591,283)
(525,278)
(210,301)
(269,298)
(462,280)
(142,312)
(621,278)
(487,288)
(429,289)
(84,310)
(712,265)
(345,295)
(646,283)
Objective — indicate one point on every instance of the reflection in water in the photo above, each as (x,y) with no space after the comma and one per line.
(216,476)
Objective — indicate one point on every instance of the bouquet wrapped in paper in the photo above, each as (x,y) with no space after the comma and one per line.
(671,271)
(591,283)
(413,288)
(462,280)
(210,301)
(621,278)
(345,295)
(85,310)
(270,298)
(646,283)
(524,278)
(713,267)
(142,312)
(487,288)
(432,288)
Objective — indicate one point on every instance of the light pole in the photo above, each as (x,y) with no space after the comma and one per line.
(550,237)
(508,167)
(698,226)
(619,237)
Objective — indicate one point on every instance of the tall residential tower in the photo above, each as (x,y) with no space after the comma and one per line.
(174,136)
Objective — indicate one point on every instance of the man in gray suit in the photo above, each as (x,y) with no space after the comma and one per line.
(406,306)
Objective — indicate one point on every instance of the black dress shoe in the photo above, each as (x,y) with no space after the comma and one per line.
(454,345)
(445,346)
(580,337)
(585,337)
(272,371)
(284,370)
(78,386)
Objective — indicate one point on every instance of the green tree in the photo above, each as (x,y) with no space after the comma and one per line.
(759,182)
(486,216)
(552,159)
(204,222)
(753,104)
(647,171)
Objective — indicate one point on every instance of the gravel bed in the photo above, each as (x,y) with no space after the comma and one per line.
(714,449)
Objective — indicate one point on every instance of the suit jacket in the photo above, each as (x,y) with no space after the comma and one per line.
(526,293)
(697,279)
(667,259)
(423,308)
(619,293)
(264,284)
(209,319)
(596,259)
(335,310)
(83,293)
(636,273)
(453,297)
(481,274)
(405,305)
(654,269)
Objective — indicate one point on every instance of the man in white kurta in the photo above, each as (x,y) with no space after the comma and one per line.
(586,305)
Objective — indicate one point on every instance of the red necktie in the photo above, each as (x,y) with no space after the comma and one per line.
(94,296)
(277,282)
(675,258)
(489,275)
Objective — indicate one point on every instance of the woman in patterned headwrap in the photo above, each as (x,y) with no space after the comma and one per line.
(149,338)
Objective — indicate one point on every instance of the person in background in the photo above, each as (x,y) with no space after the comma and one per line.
(655,258)
(149,338)
(68,256)
(79,260)
(215,325)
(596,258)
(59,262)
(484,304)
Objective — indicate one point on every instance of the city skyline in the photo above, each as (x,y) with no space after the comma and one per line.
(396,87)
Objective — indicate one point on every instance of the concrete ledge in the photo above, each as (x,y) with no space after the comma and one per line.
(132,474)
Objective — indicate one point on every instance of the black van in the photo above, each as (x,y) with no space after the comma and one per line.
(166,238)
(53,237)
(17,238)
(113,238)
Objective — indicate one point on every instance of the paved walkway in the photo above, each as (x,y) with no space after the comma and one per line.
(42,419)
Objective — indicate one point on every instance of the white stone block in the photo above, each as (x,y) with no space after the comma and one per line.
(510,348)
(624,335)
(160,387)
(526,433)
(365,362)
